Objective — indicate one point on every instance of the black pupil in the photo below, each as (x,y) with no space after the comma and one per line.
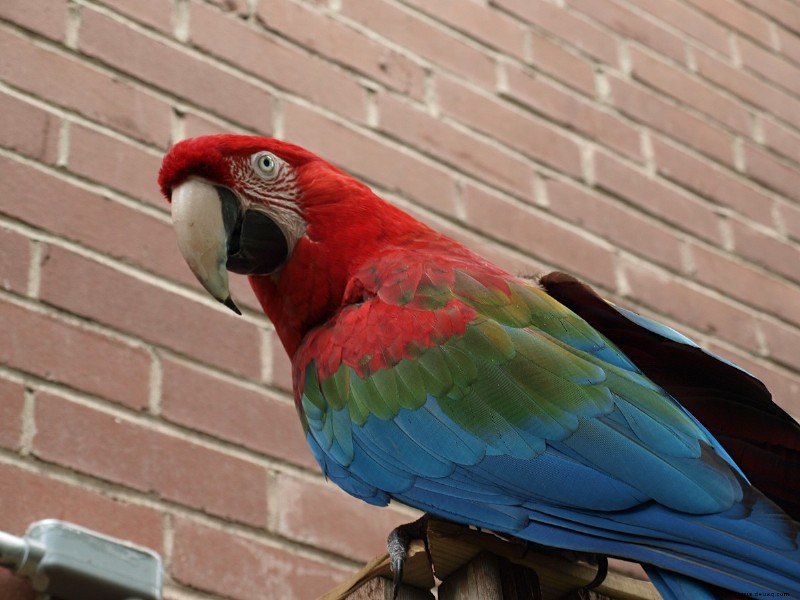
(266,162)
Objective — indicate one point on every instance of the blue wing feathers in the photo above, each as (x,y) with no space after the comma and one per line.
(552,478)
(553,435)
(655,432)
(435,431)
(400,450)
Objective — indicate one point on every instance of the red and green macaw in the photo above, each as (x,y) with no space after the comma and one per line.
(425,374)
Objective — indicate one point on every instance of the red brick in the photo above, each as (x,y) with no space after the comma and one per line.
(615,222)
(781,139)
(11,407)
(689,304)
(242,568)
(479,21)
(631,25)
(498,252)
(770,66)
(747,284)
(335,41)
(790,216)
(100,293)
(54,205)
(153,13)
(42,16)
(372,161)
(196,125)
(689,21)
(767,251)
(234,413)
(785,12)
(28,130)
(568,67)
(772,172)
(651,109)
(685,88)
(134,455)
(84,360)
(239,7)
(783,344)
(789,44)
(14,258)
(280,365)
(749,88)
(537,235)
(15,587)
(110,161)
(576,31)
(429,42)
(94,221)
(82,88)
(711,181)
(462,151)
(736,16)
(572,111)
(177,72)
(38,497)
(657,198)
(519,130)
(285,67)
(324,516)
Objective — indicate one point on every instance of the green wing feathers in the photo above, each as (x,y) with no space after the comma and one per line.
(522,374)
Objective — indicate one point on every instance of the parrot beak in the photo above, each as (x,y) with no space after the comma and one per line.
(215,235)
(203,219)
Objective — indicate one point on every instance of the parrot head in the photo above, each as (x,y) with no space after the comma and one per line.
(294,223)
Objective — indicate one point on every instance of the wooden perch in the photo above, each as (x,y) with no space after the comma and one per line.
(482,565)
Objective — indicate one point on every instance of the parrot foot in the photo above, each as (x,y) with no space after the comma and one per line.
(599,560)
(397,545)
(602,573)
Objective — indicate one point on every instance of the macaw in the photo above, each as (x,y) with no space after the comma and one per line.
(427,375)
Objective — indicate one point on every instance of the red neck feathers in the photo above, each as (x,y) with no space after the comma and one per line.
(347,225)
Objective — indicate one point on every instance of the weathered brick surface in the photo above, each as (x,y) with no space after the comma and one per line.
(41,16)
(573,112)
(14,261)
(113,163)
(60,351)
(615,223)
(240,568)
(533,137)
(47,497)
(680,84)
(71,84)
(221,408)
(631,25)
(13,395)
(681,210)
(651,147)
(344,529)
(15,587)
(100,293)
(720,185)
(29,130)
(148,460)
(57,206)
(674,121)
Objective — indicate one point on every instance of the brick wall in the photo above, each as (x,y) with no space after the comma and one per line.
(651,147)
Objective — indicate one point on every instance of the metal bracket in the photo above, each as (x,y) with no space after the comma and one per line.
(74,563)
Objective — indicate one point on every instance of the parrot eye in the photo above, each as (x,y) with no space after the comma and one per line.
(265,164)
